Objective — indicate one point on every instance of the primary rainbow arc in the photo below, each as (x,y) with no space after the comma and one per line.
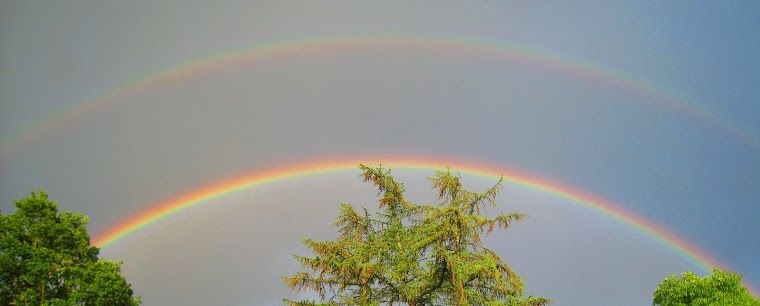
(589,201)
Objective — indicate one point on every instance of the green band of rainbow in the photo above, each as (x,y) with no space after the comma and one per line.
(297,171)
(467,46)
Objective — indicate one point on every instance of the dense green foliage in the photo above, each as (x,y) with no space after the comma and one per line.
(413,254)
(719,289)
(46,259)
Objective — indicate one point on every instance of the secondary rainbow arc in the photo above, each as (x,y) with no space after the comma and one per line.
(467,45)
(587,200)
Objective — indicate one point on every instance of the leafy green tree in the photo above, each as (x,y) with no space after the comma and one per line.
(719,289)
(46,259)
(413,254)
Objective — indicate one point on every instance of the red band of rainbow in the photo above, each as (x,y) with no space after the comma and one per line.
(586,200)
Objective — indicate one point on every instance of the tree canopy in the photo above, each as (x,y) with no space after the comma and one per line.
(46,259)
(719,289)
(413,254)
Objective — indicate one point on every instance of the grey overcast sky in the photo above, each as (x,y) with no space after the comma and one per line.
(114,107)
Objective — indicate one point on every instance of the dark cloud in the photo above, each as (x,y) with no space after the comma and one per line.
(153,145)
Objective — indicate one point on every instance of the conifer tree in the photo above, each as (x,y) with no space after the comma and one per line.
(413,254)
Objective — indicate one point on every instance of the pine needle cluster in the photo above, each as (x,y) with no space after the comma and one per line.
(413,254)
